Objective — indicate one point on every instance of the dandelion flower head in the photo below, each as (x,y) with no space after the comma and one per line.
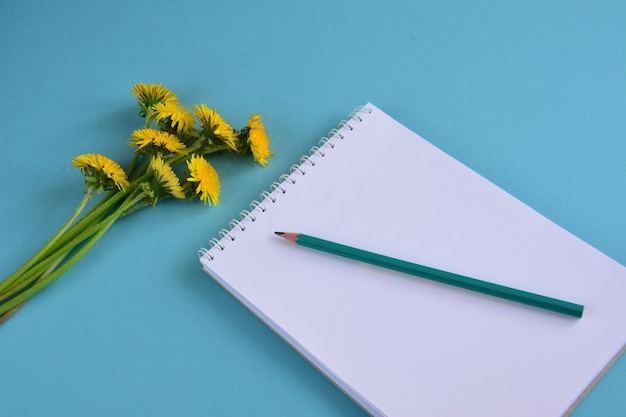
(258,140)
(166,177)
(201,172)
(211,119)
(143,138)
(101,171)
(179,116)
(148,95)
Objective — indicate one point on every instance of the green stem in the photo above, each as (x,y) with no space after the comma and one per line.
(96,215)
(47,264)
(215,149)
(70,231)
(42,283)
(27,278)
(133,164)
(91,218)
(64,235)
(175,160)
(9,313)
(37,273)
(50,244)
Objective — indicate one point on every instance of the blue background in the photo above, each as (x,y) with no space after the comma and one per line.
(531,94)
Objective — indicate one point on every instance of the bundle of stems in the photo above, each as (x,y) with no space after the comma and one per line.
(169,162)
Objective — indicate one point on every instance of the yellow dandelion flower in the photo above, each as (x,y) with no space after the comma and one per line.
(211,119)
(143,138)
(205,175)
(179,116)
(258,140)
(148,95)
(101,171)
(165,175)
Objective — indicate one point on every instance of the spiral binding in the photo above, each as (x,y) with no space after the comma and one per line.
(281,186)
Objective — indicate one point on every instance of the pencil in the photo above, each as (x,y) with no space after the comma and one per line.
(484,287)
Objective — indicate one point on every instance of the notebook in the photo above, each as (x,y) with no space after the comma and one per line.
(404,346)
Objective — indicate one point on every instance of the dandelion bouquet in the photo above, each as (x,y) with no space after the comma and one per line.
(169,162)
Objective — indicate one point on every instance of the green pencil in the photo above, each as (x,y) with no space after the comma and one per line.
(433,274)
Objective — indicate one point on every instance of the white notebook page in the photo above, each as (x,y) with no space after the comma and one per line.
(404,346)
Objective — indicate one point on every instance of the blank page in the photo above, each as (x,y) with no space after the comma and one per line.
(401,345)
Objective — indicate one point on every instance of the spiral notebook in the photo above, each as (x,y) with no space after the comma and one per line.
(400,345)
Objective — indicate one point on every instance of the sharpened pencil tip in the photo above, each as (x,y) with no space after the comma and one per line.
(292,237)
